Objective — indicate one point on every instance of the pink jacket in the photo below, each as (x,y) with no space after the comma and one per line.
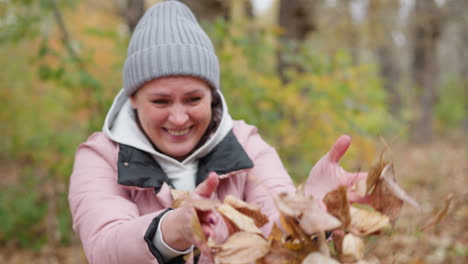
(112,219)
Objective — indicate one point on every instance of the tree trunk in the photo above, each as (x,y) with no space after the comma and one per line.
(134,11)
(390,74)
(208,9)
(381,22)
(427,26)
(297,19)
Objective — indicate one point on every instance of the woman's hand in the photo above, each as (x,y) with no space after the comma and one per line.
(176,227)
(327,174)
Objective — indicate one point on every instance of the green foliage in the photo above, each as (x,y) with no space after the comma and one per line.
(53,103)
(451,110)
(23,213)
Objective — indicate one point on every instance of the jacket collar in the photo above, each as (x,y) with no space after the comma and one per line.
(138,168)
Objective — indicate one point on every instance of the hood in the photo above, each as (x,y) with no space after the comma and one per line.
(120,125)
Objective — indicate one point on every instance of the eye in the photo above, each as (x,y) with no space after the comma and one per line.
(194,99)
(160,102)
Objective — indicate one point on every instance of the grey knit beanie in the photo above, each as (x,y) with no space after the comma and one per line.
(169,41)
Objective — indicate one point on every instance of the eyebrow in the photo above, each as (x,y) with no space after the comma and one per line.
(167,94)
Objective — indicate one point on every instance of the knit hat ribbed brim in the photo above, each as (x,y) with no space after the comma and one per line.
(169,41)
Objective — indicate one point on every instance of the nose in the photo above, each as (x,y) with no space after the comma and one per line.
(178,116)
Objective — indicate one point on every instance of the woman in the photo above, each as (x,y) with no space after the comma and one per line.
(169,127)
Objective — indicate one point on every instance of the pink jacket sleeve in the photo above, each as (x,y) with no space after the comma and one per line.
(107,222)
(267,178)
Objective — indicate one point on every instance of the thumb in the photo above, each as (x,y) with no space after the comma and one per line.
(206,188)
(339,148)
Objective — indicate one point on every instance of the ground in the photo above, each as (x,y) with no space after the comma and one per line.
(428,173)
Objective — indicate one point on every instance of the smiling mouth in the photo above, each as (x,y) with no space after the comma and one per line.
(178,132)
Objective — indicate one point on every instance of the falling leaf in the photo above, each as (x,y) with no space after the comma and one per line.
(315,219)
(316,258)
(388,175)
(179,197)
(352,248)
(365,222)
(292,228)
(249,210)
(436,219)
(337,205)
(241,247)
(238,219)
(291,205)
(373,176)
(383,200)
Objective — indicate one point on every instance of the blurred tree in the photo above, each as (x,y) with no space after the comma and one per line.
(131,11)
(427,25)
(212,9)
(382,17)
(296,19)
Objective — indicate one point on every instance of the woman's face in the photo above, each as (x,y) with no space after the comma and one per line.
(174,112)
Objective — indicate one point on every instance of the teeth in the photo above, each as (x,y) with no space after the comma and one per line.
(178,133)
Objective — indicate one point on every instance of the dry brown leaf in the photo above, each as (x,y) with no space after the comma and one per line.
(290,204)
(352,249)
(293,230)
(238,219)
(316,258)
(383,200)
(276,234)
(338,241)
(373,176)
(315,219)
(291,209)
(337,205)
(365,222)
(388,175)
(179,197)
(279,254)
(249,210)
(241,247)
(436,219)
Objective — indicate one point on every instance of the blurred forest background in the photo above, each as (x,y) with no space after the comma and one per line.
(302,71)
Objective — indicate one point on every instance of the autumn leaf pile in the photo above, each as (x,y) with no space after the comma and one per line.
(306,232)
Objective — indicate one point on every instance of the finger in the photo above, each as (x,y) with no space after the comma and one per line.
(339,148)
(206,188)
